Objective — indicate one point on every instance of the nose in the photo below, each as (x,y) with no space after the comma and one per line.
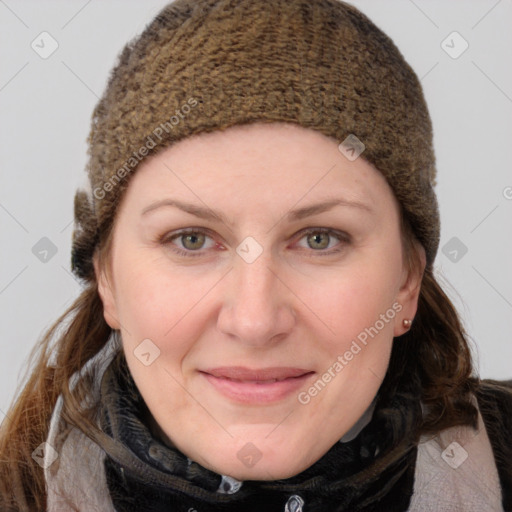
(257,308)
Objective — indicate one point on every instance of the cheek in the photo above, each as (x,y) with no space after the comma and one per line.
(360,309)
(166,307)
(351,301)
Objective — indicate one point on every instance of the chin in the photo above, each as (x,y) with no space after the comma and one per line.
(261,471)
(250,464)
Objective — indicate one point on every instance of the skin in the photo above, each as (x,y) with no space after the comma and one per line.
(296,305)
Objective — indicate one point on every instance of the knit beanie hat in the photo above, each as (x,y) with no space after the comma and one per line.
(205,65)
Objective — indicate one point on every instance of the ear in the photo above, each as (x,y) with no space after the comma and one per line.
(106,294)
(409,292)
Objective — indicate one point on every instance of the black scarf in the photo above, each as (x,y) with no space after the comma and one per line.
(372,473)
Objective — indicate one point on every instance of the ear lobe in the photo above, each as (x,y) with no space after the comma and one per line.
(409,293)
(106,294)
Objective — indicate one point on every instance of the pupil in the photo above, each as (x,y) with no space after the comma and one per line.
(193,241)
(319,241)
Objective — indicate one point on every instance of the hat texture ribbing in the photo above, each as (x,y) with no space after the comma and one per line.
(205,65)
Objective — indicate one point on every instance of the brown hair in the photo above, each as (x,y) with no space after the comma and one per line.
(435,349)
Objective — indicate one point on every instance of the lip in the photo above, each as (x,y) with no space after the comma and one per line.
(263,385)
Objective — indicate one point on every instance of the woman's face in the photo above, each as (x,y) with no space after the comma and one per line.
(257,280)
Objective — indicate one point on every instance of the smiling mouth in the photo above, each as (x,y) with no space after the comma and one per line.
(257,386)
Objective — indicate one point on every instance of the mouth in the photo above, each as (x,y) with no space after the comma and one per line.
(257,386)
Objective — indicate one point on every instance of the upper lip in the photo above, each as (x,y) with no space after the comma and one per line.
(263,374)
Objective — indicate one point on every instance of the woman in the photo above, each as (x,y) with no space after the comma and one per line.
(260,325)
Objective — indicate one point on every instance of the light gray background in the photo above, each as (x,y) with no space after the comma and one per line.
(45,107)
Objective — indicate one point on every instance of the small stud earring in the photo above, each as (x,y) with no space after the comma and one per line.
(407,323)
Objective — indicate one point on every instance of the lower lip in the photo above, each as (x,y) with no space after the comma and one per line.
(257,393)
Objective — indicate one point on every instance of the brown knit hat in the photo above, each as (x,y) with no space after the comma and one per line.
(205,65)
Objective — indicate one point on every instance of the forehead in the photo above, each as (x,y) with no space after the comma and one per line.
(255,164)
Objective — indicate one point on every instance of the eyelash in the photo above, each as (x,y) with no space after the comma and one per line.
(344,238)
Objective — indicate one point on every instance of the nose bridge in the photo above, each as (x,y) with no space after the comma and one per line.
(254,281)
(256,308)
(255,294)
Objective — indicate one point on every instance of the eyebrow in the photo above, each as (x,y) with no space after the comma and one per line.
(294,215)
(314,209)
(199,211)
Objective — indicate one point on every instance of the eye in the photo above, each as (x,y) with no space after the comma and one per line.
(318,240)
(192,241)
(322,240)
(189,241)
